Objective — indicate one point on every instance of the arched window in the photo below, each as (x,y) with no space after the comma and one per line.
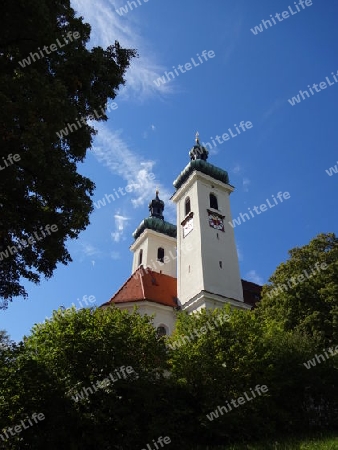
(140,256)
(161,331)
(213,201)
(160,254)
(187,206)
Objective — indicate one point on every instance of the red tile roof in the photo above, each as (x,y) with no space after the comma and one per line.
(145,284)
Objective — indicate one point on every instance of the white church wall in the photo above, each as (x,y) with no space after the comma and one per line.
(149,242)
(164,315)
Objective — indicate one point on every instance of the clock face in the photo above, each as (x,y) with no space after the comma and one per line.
(187,227)
(215,221)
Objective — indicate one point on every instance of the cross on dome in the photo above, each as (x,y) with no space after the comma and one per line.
(198,151)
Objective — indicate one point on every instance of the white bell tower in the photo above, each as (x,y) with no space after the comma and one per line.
(155,242)
(207,276)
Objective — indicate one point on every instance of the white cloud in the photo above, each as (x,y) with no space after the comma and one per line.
(116,236)
(237,169)
(115,255)
(277,104)
(108,26)
(120,225)
(254,277)
(246,183)
(145,133)
(89,249)
(239,253)
(213,151)
(115,154)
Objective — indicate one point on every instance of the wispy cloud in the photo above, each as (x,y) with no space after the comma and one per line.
(277,104)
(145,133)
(89,249)
(86,250)
(239,253)
(237,169)
(108,26)
(120,225)
(254,277)
(246,183)
(113,152)
(90,252)
(115,255)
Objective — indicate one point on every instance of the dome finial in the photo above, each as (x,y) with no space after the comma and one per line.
(156,206)
(198,151)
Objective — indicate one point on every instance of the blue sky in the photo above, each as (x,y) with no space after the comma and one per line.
(250,78)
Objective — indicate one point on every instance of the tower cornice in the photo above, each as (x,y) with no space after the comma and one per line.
(204,167)
(195,175)
(159,225)
(149,233)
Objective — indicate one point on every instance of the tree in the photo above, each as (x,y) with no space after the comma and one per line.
(62,369)
(50,87)
(303,293)
(226,361)
(27,387)
(4,339)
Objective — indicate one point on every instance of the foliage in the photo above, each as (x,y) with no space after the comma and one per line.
(311,305)
(63,87)
(240,354)
(232,353)
(73,351)
(282,443)
(212,359)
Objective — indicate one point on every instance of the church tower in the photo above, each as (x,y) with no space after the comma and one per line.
(208,275)
(155,242)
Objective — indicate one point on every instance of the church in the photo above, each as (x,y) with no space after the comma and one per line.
(191,265)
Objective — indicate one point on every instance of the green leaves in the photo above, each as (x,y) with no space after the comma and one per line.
(73,351)
(306,298)
(244,352)
(55,89)
(230,352)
